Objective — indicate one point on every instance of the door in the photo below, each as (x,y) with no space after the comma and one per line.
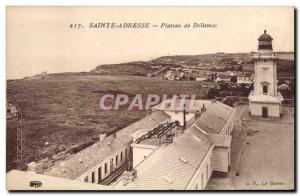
(264,112)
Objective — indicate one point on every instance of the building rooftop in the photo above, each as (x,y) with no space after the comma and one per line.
(20,181)
(217,139)
(265,37)
(171,166)
(84,160)
(220,140)
(215,117)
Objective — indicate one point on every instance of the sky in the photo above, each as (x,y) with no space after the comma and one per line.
(40,39)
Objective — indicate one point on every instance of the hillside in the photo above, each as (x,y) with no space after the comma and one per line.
(62,109)
(205,58)
(142,68)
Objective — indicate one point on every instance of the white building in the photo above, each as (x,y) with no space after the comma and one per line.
(187,161)
(265,101)
(174,108)
(104,161)
(244,78)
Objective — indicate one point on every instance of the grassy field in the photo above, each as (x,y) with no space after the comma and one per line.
(62,109)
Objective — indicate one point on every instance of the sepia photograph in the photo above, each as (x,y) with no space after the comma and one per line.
(130,98)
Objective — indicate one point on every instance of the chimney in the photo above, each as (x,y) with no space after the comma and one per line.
(198,114)
(102,136)
(203,109)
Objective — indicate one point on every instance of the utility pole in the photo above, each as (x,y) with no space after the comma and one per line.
(20,139)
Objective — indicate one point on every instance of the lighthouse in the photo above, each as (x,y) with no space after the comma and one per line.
(265,101)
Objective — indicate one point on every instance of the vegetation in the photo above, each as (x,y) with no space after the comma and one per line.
(62,109)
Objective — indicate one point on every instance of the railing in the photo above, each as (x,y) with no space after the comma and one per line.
(267,55)
(115,174)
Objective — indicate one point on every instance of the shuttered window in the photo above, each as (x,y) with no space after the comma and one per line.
(86,179)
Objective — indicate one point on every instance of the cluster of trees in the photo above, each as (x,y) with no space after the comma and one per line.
(187,78)
(287,89)
(230,89)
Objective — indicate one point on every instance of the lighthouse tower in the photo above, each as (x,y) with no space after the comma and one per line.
(265,101)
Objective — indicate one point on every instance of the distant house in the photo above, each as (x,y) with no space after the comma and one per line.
(173,75)
(210,76)
(223,78)
(170,75)
(245,79)
(203,78)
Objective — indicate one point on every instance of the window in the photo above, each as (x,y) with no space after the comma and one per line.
(265,89)
(99,175)
(211,166)
(121,156)
(111,165)
(202,184)
(86,179)
(207,172)
(93,177)
(117,160)
(105,168)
